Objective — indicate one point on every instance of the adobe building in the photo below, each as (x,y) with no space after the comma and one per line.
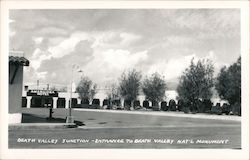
(42,98)
(16,64)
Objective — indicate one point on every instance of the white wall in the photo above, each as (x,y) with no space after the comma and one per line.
(15,94)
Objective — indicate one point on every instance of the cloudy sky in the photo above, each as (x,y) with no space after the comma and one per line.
(104,43)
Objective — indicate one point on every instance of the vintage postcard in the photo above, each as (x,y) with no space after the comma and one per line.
(125,79)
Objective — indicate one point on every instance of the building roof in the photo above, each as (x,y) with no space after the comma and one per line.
(18,60)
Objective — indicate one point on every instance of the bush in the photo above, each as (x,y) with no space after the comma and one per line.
(186,107)
(84,103)
(172,105)
(105,102)
(196,106)
(155,106)
(116,102)
(192,108)
(180,105)
(145,104)
(164,106)
(74,102)
(127,104)
(95,104)
(216,109)
(136,103)
(226,108)
(236,109)
(207,105)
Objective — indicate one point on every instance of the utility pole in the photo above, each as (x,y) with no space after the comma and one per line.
(37,84)
(70,118)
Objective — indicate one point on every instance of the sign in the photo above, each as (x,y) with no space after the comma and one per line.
(42,93)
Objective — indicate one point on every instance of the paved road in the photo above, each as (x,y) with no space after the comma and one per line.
(118,130)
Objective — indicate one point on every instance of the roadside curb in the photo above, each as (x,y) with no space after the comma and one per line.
(169,114)
(42,126)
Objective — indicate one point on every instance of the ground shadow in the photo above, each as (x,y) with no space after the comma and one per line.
(30,118)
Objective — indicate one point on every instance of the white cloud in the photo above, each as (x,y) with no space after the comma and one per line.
(68,45)
(128,38)
(38,57)
(37,62)
(38,40)
(108,65)
(36,53)
(52,30)
(172,68)
(211,56)
(102,40)
(53,75)
(180,40)
(54,41)
(218,64)
(113,39)
(105,39)
(41,75)
(122,58)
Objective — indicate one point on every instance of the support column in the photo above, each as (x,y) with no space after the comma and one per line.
(141,102)
(78,101)
(28,101)
(122,102)
(101,103)
(150,103)
(66,102)
(55,102)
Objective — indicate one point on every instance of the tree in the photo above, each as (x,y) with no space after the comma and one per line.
(228,84)
(129,85)
(196,82)
(86,88)
(112,92)
(154,87)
